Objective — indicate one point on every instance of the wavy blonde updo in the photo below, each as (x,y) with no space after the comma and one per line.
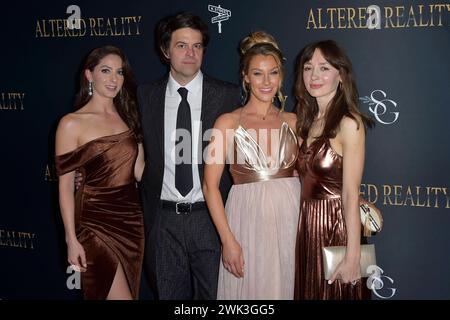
(260,42)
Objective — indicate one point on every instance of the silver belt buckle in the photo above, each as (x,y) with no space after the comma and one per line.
(183,203)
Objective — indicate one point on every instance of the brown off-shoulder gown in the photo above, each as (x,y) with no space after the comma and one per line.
(321,224)
(108,214)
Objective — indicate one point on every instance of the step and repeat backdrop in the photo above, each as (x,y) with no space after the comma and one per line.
(400,51)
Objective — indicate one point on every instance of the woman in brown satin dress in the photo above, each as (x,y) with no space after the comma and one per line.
(103,219)
(330,164)
(257,225)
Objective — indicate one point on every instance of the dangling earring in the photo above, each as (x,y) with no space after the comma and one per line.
(90,88)
(340,85)
(282,98)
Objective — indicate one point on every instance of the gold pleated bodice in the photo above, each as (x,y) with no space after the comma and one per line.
(251,164)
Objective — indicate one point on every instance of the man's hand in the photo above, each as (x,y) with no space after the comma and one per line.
(78,179)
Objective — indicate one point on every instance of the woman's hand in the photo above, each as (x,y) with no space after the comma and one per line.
(76,255)
(233,258)
(348,271)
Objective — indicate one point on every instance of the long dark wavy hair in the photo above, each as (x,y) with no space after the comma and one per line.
(345,101)
(125,101)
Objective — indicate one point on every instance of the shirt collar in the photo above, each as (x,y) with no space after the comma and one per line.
(193,86)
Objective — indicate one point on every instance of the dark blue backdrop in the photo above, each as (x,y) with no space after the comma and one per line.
(402,72)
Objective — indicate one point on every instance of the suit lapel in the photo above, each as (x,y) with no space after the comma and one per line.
(208,112)
(207,117)
(159,98)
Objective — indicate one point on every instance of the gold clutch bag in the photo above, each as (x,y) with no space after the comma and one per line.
(332,256)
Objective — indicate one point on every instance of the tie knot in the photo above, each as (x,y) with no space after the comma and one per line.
(183,93)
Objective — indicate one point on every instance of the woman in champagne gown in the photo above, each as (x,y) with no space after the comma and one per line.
(330,165)
(257,226)
(103,221)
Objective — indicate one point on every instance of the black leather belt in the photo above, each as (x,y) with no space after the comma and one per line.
(183,207)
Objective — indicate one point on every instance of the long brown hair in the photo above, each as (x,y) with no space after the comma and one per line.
(344,102)
(125,100)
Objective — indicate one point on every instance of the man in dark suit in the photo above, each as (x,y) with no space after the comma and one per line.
(182,246)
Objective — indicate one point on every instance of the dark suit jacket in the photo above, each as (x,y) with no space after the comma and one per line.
(218,97)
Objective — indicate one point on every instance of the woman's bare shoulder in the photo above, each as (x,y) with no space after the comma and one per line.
(229,120)
(291,119)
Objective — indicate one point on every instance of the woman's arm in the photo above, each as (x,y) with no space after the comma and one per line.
(140,163)
(67,140)
(232,256)
(291,119)
(352,140)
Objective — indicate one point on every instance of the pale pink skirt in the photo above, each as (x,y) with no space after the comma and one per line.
(263,217)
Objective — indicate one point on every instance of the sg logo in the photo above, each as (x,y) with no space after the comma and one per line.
(379,105)
(375,282)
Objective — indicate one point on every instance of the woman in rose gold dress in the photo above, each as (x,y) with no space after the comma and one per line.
(103,219)
(257,226)
(330,165)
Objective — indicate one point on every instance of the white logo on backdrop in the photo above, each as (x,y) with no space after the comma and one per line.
(375,283)
(379,106)
(73,22)
(74,280)
(374,17)
(222,15)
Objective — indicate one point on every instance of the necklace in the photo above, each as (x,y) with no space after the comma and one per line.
(267,113)
(263,117)
(319,118)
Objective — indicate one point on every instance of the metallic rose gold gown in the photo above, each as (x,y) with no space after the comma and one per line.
(262,211)
(321,224)
(108,215)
